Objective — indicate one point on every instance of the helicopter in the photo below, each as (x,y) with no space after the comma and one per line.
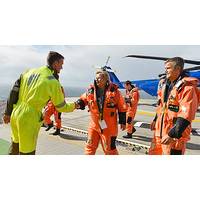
(150,85)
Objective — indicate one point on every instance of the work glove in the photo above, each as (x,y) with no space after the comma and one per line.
(81,104)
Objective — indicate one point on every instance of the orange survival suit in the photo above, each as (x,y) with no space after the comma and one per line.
(132,98)
(51,110)
(175,112)
(103,124)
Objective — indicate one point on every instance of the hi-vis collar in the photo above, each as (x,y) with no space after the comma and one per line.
(179,84)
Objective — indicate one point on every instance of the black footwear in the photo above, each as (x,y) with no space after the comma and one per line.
(133,130)
(49,126)
(57,132)
(127,136)
(43,125)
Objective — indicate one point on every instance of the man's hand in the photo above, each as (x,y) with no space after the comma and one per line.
(79,104)
(152,125)
(122,127)
(166,139)
(6,119)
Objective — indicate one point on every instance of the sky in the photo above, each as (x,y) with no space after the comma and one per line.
(153,25)
(81,61)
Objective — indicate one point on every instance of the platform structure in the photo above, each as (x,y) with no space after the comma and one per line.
(72,139)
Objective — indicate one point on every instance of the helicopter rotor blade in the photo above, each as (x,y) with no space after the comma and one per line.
(192,68)
(185,70)
(194,62)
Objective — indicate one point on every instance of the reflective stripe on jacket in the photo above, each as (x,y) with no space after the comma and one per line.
(38,86)
(113,102)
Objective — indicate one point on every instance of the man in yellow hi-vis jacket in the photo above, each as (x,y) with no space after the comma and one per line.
(29,95)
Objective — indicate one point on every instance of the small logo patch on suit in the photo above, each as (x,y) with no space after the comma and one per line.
(173,108)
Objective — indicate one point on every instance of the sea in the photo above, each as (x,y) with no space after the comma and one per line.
(69,92)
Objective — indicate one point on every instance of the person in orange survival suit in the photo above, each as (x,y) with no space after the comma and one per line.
(177,104)
(131,99)
(103,100)
(49,111)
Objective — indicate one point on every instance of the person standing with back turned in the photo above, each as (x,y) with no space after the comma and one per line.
(29,95)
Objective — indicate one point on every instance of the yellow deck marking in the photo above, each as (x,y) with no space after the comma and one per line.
(152,114)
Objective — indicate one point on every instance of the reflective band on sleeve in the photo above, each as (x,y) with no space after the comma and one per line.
(51,77)
(61,105)
(16,89)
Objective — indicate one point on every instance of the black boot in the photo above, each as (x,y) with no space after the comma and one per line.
(14,149)
(57,132)
(49,126)
(133,130)
(129,135)
(43,125)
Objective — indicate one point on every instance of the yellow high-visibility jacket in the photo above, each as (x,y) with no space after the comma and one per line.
(36,87)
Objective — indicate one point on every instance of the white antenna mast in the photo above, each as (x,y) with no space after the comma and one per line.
(107,60)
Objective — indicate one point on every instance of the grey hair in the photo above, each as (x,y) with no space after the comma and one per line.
(105,74)
(177,62)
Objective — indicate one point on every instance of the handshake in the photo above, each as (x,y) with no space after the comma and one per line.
(79,104)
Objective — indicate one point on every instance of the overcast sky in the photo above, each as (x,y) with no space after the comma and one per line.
(97,22)
(78,69)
